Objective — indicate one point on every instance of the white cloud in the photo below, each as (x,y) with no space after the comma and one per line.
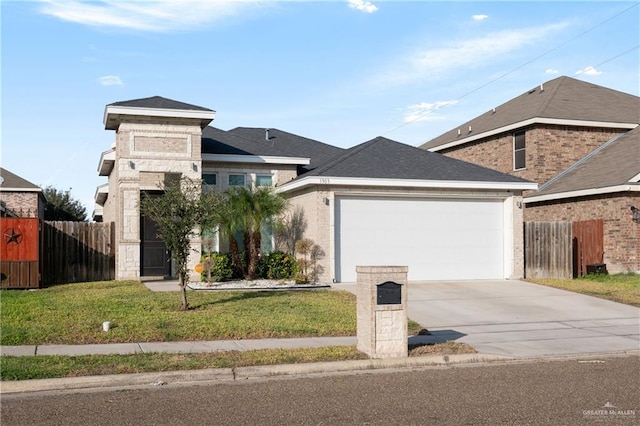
(365,6)
(425,111)
(157,15)
(111,80)
(551,71)
(471,53)
(589,71)
(479,17)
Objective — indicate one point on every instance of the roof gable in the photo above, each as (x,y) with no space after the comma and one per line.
(382,158)
(12,182)
(158,102)
(561,99)
(616,163)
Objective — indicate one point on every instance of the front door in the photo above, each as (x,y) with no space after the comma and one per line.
(154,257)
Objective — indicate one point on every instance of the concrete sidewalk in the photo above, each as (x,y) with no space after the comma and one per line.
(177,347)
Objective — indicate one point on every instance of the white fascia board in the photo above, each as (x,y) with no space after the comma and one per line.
(157,112)
(10,189)
(531,121)
(102,193)
(104,168)
(254,159)
(635,179)
(582,193)
(405,183)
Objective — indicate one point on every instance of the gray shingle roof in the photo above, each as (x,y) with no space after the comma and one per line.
(13,182)
(383,158)
(292,145)
(158,102)
(614,163)
(217,141)
(562,98)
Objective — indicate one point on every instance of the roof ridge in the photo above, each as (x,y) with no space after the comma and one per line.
(348,154)
(581,161)
(555,88)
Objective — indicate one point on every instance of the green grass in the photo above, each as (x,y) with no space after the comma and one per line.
(74,313)
(622,288)
(48,367)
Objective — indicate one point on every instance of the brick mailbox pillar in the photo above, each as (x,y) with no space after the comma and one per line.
(381,293)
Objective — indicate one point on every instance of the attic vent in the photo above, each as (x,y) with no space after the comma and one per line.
(493,111)
(531,91)
(459,132)
(542,88)
(266,134)
(469,129)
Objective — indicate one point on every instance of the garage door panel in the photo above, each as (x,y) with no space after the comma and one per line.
(438,239)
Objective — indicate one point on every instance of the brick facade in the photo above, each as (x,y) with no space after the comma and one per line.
(24,204)
(621,234)
(550,149)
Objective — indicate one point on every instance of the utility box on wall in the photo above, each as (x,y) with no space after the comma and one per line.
(381,293)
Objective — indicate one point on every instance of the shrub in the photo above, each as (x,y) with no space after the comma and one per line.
(216,267)
(277,266)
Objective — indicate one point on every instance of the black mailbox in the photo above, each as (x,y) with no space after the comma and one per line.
(389,293)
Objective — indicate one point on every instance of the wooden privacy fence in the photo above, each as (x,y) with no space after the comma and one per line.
(588,245)
(563,249)
(20,251)
(548,250)
(77,252)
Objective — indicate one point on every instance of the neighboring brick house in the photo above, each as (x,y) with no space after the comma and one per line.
(378,203)
(576,140)
(19,197)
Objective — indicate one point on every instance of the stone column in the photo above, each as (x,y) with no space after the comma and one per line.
(381,293)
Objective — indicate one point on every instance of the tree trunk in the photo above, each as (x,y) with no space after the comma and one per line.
(235,257)
(254,254)
(183,292)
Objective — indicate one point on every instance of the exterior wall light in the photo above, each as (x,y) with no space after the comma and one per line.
(325,200)
(635,212)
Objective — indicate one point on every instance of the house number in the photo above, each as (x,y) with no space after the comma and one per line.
(325,180)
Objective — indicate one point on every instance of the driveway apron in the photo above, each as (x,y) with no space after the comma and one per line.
(520,319)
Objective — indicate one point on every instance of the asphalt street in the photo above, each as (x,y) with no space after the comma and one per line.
(568,392)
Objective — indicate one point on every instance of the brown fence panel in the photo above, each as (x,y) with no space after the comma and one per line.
(78,252)
(20,252)
(548,250)
(588,245)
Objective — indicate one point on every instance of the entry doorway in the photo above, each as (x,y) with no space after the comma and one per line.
(155,259)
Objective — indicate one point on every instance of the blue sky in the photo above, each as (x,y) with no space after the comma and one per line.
(342,72)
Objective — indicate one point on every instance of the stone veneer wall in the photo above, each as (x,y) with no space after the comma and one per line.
(24,204)
(550,149)
(146,150)
(621,234)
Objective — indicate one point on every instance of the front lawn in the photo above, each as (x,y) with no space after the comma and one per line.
(74,313)
(622,288)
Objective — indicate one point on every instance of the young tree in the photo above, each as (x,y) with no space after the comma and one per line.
(62,206)
(178,213)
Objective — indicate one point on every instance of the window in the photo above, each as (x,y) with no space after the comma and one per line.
(210,179)
(237,180)
(519,157)
(264,180)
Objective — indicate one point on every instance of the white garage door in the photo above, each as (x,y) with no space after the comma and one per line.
(438,239)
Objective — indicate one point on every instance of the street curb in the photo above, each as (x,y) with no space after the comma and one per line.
(177,378)
(241,373)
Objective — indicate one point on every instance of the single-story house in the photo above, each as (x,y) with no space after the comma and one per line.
(379,203)
(19,197)
(580,143)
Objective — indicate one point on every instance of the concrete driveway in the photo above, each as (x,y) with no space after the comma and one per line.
(520,319)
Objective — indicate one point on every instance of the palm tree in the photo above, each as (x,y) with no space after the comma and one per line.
(249,211)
